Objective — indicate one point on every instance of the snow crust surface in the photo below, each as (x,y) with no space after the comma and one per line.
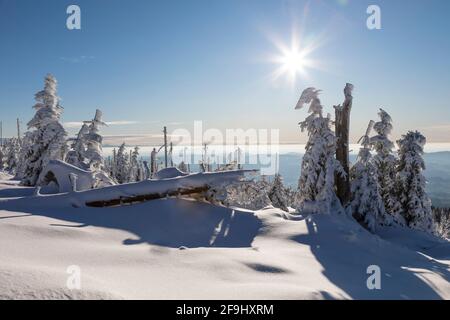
(182,249)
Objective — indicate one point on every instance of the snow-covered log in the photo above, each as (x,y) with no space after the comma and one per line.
(156,189)
(60,172)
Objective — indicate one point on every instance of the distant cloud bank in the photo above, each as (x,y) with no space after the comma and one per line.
(78,124)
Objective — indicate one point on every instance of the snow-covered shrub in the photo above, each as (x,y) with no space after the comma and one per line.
(414,200)
(46,139)
(319,164)
(252,195)
(386,162)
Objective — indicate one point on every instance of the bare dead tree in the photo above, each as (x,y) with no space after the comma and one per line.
(342,148)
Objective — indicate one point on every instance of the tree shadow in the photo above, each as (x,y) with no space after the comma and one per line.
(14,216)
(172,223)
(358,249)
(16,192)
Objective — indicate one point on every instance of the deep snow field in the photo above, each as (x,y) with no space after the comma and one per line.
(182,249)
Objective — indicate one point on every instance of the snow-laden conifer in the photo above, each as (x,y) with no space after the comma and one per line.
(2,163)
(122,165)
(411,185)
(386,161)
(94,151)
(136,167)
(183,167)
(11,152)
(319,165)
(49,136)
(366,201)
(77,155)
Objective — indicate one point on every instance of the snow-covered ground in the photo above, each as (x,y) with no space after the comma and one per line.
(181,249)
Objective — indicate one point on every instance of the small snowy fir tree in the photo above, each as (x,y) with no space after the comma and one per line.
(415,203)
(278,193)
(319,165)
(77,155)
(366,203)
(122,165)
(49,135)
(386,162)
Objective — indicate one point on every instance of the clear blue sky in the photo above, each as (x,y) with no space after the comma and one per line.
(153,62)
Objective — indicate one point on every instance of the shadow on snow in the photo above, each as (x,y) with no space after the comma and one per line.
(401,269)
(169,222)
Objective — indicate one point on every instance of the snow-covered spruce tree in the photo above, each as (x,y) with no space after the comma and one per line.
(386,162)
(278,193)
(441,217)
(113,165)
(49,136)
(27,143)
(11,155)
(415,203)
(2,165)
(77,155)
(292,196)
(143,172)
(146,170)
(260,197)
(94,152)
(183,167)
(135,170)
(316,184)
(366,201)
(122,165)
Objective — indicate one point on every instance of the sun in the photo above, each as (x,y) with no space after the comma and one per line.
(293,61)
